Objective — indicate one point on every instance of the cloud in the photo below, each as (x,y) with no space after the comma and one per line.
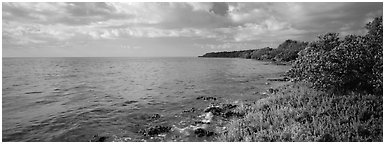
(223,25)
(220,8)
(226,46)
(61,13)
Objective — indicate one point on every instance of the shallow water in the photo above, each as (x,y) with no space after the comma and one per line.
(75,99)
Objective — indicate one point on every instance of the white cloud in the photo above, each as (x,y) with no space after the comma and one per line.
(230,23)
(226,46)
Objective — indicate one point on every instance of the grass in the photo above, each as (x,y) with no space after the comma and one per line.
(299,113)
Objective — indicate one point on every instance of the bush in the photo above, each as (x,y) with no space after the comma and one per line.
(263,54)
(288,50)
(354,63)
(299,113)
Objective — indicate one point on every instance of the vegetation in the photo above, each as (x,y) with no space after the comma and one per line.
(299,113)
(287,51)
(354,63)
(337,95)
(232,54)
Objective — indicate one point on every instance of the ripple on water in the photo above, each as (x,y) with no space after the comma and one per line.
(34,92)
(91,93)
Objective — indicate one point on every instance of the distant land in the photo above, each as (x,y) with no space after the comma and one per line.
(285,52)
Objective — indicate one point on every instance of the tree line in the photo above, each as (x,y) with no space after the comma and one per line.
(287,51)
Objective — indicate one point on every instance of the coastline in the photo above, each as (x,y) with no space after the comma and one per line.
(203,117)
(282,110)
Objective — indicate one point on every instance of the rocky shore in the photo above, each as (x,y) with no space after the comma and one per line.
(204,122)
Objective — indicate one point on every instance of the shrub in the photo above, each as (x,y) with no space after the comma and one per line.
(288,50)
(354,63)
(299,113)
(263,54)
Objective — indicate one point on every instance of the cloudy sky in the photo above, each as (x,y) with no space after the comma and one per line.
(170,29)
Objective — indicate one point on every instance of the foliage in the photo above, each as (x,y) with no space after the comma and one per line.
(231,54)
(374,38)
(288,50)
(354,63)
(299,113)
(263,54)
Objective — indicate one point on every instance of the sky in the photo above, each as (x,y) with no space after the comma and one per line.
(175,29)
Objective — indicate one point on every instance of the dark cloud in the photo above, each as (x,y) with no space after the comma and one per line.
(77,13)
(182,16)
(82,9)
(218,23)
(220,8)
(318,16)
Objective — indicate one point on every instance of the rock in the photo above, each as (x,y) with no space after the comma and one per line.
(220,110)
(155,116)
(208,117)
(190,110)
(97,138)
(264,107)
(155,130)
(215,110)
(264,93)
(202,122)
(272,90)
(228,106)
(130,102)
(200,132)
(206,98)
(229,114)
(279,79)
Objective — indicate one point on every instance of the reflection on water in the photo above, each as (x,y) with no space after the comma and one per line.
(76,99)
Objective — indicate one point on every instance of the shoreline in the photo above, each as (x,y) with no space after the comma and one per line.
(202,118)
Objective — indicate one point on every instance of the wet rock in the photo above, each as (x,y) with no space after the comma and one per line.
(34,92)
(228,106)
(264,93)
(220,110)
(206,98)
(130,102)
(208,118)
(201,122)
(155,116)
(279,79)
(189,110)
(230,114)
(272,90)
(265,107)
(155,130)
(216,110)
(97,138)
(200,132)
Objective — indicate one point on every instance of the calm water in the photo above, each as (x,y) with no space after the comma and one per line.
(74,99)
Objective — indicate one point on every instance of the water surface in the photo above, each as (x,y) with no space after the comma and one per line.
(74,99)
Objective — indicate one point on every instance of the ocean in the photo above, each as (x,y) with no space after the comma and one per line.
(83,99)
